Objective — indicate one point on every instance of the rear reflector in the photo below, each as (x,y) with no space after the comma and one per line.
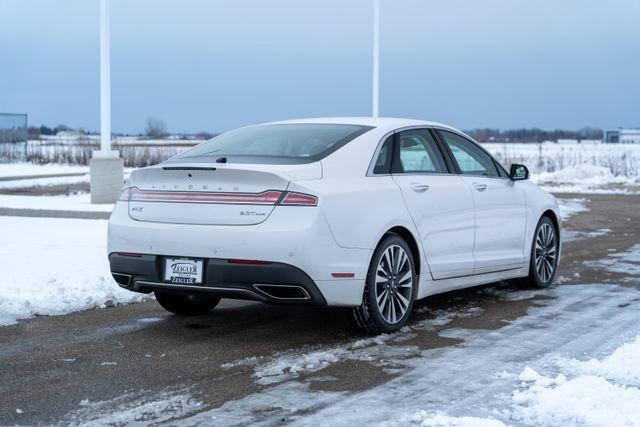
(248,261)
(265,198)
(343,275)
(299,199)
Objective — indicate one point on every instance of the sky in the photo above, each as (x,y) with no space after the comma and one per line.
(215,65)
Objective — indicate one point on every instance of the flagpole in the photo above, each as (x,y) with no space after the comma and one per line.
(106,168)
(375,107)
(105,79)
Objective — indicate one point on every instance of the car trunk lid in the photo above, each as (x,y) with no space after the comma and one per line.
(226,194)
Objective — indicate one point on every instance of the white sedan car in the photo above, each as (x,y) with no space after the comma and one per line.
(368,213)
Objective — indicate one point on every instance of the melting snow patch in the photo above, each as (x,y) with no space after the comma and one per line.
(572,235)
(382,350)
(571,207)
(278,403)
(130,408)
(627,262)
(441,419)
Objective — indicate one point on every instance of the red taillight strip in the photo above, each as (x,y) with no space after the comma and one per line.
(299,199)
(265,198)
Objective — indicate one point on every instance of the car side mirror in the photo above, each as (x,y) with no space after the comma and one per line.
(518,172)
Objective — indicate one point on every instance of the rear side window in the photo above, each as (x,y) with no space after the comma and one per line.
(277,143)
(418,153)
(471,159)
(383,162)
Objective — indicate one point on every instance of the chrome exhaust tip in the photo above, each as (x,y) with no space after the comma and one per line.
(283,292)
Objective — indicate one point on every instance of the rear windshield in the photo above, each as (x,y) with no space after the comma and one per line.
(278,143)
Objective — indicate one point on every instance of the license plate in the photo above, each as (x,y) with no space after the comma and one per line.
(183,271)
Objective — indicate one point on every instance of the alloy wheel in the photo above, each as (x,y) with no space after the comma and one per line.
(394,284)
(545,252)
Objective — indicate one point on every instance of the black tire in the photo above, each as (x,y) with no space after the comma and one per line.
(186,305)
(368,317)
(536,279)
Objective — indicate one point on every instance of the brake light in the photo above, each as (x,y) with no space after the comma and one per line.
(269,197)
(124,195)
(265,198)
(299,199)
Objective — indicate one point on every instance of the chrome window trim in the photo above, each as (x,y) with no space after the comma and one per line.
(372,163)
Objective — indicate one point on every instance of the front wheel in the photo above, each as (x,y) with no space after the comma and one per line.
(186,305)
(544,255)
(390,288)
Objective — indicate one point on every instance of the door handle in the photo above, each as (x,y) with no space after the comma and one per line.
(419,188)
(480,187)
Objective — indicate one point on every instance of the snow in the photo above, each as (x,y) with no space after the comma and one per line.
(31,169)
(74,202)
(483,380)
(571,207)
(626,262)
(601,393)
(576,168)
(133,408)
(53,266)
(43,182)
(441,419)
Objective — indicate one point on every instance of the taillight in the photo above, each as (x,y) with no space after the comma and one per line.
(299,199)
(264,198)
(124,194)
(269,197)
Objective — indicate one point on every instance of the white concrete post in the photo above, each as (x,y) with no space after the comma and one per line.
(375,107)
(106,167)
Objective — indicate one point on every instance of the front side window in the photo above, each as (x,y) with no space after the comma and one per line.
(418,153)
(471,159)
(277,143)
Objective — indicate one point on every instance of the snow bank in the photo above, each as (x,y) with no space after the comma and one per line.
(602,393)
(54,266)
(576,168)
(622,366)
(31,169)
(44,182)
(74,202)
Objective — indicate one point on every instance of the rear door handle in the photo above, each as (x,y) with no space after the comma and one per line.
(419,188)
(480,187)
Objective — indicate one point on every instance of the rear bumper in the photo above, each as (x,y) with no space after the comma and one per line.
(296,241)
(274,283)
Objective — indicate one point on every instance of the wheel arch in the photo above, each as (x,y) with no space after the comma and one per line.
(408,237)
(554,219)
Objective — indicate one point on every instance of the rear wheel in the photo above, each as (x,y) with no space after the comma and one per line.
(390,288)
(544,255)
(186,305)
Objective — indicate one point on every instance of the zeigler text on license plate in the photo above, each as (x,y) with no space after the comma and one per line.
(183,271)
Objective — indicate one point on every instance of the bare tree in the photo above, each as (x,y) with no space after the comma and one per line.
(156,128)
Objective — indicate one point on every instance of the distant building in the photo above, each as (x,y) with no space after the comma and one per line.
(70,134)
(622,136)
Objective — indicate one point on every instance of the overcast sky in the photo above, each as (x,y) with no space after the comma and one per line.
(215,65)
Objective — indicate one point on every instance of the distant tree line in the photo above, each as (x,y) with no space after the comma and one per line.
(532,134)
(157,129)
(154,129)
